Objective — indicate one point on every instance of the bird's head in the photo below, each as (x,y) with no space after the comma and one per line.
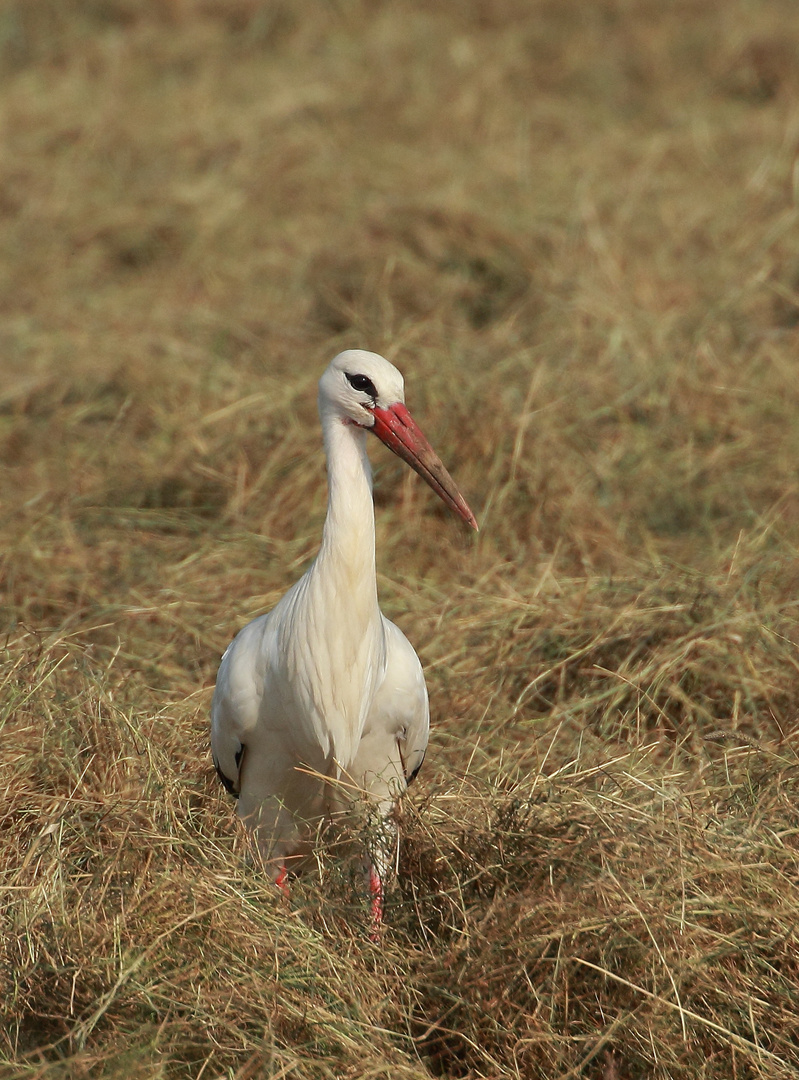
(356,382)
(364,389)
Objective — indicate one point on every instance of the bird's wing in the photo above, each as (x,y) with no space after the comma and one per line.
(402,698)
(395,736)
(237,701)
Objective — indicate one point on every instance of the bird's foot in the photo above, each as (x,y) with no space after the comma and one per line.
(282,881)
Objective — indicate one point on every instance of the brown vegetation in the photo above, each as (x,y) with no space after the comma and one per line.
(574,227)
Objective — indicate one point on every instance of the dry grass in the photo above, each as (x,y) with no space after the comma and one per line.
(575,228)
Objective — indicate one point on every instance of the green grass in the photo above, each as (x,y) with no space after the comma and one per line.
(574,228)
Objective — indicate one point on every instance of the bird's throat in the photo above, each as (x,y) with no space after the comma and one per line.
(347,553)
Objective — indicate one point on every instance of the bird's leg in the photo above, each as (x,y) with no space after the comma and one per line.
(379,869)
(376,894)
(282,880)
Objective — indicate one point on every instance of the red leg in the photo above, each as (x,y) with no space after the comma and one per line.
(282,881)
(376,890)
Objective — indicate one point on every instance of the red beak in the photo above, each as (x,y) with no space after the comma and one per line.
(396,428)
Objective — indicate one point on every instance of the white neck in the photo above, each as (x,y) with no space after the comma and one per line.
(332,628)
(347,554)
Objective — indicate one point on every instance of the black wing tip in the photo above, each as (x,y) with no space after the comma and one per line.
(410,779)
(226,782)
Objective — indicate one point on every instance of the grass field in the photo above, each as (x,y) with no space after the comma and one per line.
(574,226)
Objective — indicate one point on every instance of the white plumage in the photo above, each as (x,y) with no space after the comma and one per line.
(323,699)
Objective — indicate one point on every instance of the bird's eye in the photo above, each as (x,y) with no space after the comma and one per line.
(362,383)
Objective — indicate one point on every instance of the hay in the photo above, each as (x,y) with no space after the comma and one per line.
(574,229)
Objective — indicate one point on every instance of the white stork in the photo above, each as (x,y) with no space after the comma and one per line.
(323,699)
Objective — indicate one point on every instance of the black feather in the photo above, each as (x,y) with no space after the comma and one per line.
(409,779)
(227,783)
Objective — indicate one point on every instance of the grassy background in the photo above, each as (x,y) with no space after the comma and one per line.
(574,227)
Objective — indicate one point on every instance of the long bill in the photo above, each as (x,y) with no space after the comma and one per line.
(396,428)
